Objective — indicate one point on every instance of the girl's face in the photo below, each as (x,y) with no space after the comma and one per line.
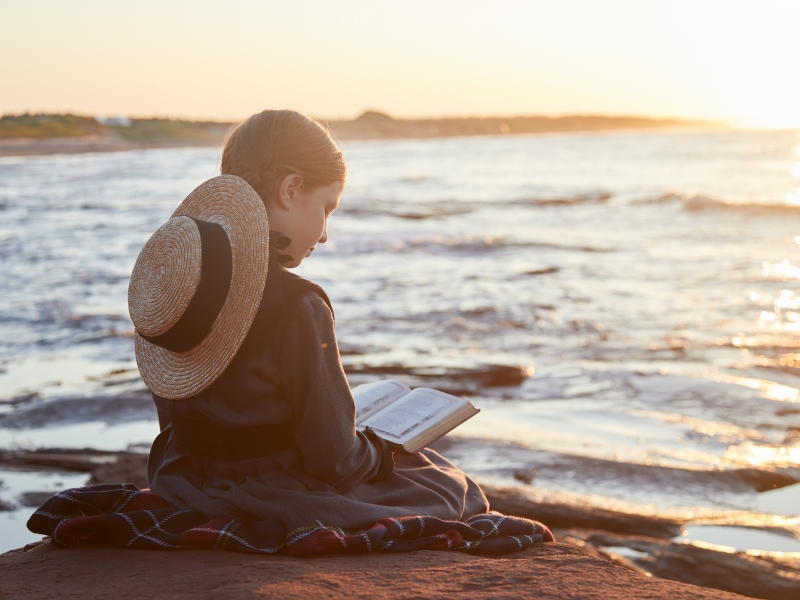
(302,215)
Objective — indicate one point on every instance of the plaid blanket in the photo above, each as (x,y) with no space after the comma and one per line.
(127,517)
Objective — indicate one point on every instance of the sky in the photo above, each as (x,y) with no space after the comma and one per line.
(725,60)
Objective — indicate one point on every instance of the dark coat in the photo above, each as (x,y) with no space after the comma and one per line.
(289,372)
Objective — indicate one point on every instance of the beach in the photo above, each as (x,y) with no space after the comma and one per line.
(621,306)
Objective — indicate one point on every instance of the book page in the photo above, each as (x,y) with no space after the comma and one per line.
(373,397)
(415,412)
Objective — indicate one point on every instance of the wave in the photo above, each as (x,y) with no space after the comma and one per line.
(580,199)
(466,245)
(488,243)
(702,202)
(413,211)
(365,207)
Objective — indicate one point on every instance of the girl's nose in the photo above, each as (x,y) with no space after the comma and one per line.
(324,237)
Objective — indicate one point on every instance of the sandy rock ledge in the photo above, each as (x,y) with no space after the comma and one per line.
(545,571)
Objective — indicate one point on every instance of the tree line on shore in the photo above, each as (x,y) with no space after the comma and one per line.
(369,125)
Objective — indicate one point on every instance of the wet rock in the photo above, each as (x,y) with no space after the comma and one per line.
(34,499)
(762,576)
(763,481)
(459,382)
(606,477)
(526,476)
(131,406)
(85,460)
(516,502)
(105,467)
(128,468)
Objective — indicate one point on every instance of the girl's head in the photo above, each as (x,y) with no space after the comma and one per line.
(296,168)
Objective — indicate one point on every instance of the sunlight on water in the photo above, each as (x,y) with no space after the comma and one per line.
(764,456)
(740,539)
(783,270)
(13,533)
(770,389)
(781,317)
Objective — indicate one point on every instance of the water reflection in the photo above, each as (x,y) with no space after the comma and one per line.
(783,270)
(758,455)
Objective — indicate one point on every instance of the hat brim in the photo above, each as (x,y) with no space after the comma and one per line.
(230,202)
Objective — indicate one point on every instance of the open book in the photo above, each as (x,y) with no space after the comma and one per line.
(408,420)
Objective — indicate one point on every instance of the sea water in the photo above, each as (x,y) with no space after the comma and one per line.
(646,282)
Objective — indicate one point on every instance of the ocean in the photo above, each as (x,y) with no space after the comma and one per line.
(623,307)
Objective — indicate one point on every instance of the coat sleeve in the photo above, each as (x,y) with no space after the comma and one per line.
(314,382)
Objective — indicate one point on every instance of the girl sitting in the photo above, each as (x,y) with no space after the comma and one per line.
(256,414)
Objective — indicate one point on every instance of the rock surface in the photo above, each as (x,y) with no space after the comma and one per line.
(512,501)
(604,533)
(774,577)
(545,571)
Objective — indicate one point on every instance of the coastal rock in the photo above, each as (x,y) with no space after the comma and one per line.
(641,543)
(33,499)
(82,460)
(130,468)
(512,501)
(544,571)
(774,577)
(113,408)
(456,381)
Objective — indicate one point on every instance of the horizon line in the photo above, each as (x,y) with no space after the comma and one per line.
(328,119)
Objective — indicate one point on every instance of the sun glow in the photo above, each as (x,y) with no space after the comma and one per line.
(750,54)
(719,60)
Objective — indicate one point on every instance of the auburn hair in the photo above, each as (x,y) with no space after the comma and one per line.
(270,145)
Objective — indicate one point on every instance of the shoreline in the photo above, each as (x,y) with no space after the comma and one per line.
(643,544)
(69,146)
(86,135)
(89,145)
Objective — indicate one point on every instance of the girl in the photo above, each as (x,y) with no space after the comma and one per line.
(273,430)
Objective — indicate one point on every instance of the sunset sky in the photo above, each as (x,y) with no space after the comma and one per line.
(722,60)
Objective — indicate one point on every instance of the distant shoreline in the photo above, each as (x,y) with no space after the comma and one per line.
(37,135)
(48,146)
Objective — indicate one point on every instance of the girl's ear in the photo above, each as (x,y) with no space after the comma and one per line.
(289,190)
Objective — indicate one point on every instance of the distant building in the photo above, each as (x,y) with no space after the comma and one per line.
(120,121)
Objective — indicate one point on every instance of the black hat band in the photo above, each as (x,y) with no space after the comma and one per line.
(216,272)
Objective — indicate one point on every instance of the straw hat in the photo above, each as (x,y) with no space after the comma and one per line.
(197,285)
